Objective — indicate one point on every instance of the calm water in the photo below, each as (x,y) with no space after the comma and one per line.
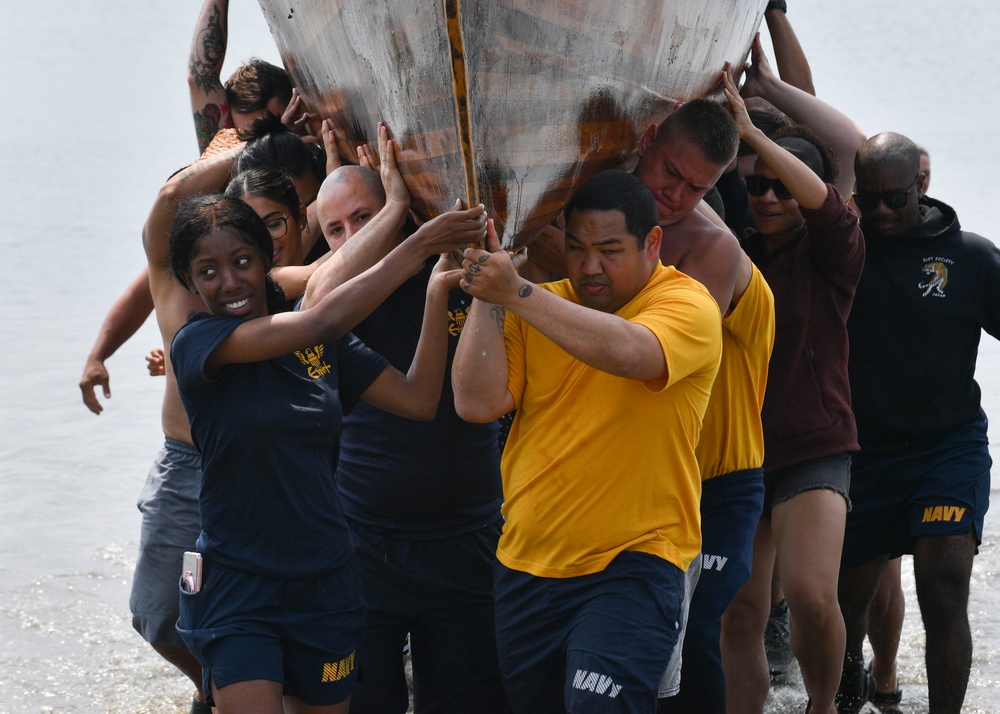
(98,116)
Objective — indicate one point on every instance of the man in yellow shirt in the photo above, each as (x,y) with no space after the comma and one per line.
(610,372)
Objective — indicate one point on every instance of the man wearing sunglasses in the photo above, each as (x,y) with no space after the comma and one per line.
(920,483)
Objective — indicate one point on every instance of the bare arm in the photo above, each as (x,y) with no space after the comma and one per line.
(801,181)
(207,176)
(479,370)
(793,67)
(294,278)
(208,50)
(454,229)
(126,316)
(417,393)
(328,320)
(836,129)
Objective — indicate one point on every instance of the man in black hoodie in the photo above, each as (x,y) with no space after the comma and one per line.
(921,482)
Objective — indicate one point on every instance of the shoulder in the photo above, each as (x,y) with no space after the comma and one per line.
(669,283)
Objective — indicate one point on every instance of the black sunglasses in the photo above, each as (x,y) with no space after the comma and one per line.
(891,199)
(759,185)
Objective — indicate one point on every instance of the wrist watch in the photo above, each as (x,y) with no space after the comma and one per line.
(777,5)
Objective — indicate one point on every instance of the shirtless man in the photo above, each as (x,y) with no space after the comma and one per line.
(679,161)
(255,86)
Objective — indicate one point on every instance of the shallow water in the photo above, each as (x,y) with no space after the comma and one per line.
(98,117)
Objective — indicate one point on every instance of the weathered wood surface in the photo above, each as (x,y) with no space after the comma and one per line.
(509,102)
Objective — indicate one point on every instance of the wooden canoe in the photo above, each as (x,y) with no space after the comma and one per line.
(512,103)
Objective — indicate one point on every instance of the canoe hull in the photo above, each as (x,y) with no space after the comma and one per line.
(506,102)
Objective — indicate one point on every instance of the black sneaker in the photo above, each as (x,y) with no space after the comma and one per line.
(778,640)
(857,688)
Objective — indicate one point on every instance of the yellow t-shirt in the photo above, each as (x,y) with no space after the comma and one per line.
(597,464)
(732,438)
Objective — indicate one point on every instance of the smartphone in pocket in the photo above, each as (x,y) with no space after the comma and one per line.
(191,572)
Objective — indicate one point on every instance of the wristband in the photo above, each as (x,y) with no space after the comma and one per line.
(777,5)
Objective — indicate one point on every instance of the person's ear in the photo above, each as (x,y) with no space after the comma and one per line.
(647,139)
(653,240)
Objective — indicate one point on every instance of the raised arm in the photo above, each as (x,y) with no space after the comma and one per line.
(839,131)
(206,176)
(479,370)
(801,181)
(293,279)
(208,50)
(602,340)
(453,229)
(793,67)
(126,316)
(417,393)
(327,320)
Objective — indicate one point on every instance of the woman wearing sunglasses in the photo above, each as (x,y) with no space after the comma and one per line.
(809,247)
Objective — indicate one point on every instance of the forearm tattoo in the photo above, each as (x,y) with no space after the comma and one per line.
(524,292)
(207,53)
(500,315)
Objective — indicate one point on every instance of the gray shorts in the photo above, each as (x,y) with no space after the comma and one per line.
(830,473)
(170,525)
(670,683)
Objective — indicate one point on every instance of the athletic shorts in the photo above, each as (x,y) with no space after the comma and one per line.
(592,643)
(170,525)
(934,486)
(730,510)
(439,592)
(830,473)
(670,682)
(303,632)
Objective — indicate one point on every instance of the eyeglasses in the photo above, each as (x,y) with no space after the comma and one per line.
(759,185)
(277,226)
(892,199)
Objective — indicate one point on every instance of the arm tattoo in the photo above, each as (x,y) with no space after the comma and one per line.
(524,292)
(207,53)
(205,164)
(207,124)
(500,315)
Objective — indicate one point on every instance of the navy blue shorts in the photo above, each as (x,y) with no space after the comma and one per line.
(935,486)
(593,643)
(303,633)
(440,592)
(730,510)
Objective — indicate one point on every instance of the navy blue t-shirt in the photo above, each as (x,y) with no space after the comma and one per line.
(418,479)
(269,433)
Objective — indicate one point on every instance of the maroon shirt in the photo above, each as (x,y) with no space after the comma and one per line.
(807,406)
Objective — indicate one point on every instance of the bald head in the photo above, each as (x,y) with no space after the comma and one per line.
(348,198)
(888,150)
(887,191)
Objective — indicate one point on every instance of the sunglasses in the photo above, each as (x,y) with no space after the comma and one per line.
(759,185)
(891,199)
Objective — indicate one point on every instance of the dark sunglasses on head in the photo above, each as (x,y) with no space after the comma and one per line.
(759,185)
(891,199)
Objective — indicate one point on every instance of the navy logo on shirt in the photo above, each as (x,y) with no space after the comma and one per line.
(456,320)
(312,358)
(938,272)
